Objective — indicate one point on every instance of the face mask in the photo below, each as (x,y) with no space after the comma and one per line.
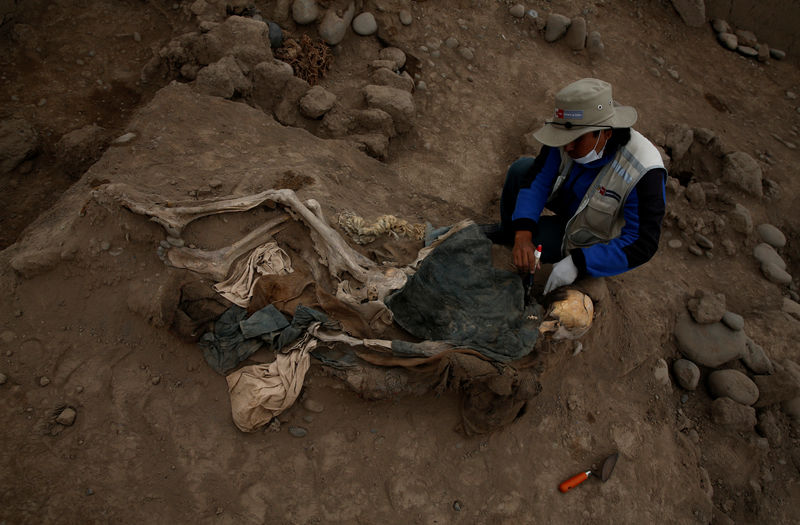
(592,155)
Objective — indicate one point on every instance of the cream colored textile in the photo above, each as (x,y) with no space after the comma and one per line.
(260,392)
(267,259)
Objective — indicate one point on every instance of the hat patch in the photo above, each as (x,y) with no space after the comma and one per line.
(571,114)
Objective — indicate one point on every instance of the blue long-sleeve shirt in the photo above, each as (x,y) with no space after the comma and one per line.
(643,212)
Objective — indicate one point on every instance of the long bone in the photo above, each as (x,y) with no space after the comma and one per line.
(332,248)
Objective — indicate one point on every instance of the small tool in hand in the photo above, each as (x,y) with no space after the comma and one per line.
(605,473)
(528,280)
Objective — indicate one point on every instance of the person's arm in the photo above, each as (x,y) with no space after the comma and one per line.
(638,241)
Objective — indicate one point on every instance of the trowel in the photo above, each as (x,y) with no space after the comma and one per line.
(604,474)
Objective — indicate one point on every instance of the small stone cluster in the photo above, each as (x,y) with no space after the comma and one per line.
(233,60)
(742,378)
(744,42)
(557,26)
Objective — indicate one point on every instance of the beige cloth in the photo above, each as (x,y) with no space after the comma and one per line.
(260,392)
(267,259)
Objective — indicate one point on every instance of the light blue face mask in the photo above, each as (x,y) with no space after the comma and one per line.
(592,155)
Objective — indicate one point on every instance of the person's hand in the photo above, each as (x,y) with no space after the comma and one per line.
(564,272)
(524,252)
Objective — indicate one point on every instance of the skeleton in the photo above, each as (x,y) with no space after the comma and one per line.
(333,250)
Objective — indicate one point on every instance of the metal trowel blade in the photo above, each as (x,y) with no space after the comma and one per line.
(608,466)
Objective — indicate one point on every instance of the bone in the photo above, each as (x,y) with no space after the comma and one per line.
(217,263)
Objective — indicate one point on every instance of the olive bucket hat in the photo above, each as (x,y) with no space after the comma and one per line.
(583,106)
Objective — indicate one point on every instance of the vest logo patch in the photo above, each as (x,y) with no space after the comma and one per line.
(610,193)
(570,114)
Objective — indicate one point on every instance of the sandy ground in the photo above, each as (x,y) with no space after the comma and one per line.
(153,440)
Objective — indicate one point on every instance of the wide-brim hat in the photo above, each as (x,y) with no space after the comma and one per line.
(583,106)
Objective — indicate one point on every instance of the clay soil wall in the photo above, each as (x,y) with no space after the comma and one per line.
(776,22)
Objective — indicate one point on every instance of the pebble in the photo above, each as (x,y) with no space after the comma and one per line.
(304,11)
(451,42)
(707,307)
(733,384)
(771,235)
(89,492)
(776,274)
(42,102)
(79,389)
(686,373)
(124,139)
(298,432)
(313,406)
(517,11)
(703,241)
(777,54)
(791,307)
(308,419)
(457,506)
(3,378)
(733,321)
(595,46)
(422,86)
(155,380)
(67,417)
(756,359)
(695,250)
(405,17)
(576,34)
(44,381)
(275,35)
(215,184)
(466,52)
(365,24)
(674,74)
(747,51)
(105,246)
(674,243)
(766,254)
(728,41)
(684,398)
(556,27)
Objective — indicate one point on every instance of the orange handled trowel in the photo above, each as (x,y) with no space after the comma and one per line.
(605,473)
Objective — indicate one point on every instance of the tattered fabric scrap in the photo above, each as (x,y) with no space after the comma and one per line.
(226,346)
(267,259)
(457,296)
(260,392)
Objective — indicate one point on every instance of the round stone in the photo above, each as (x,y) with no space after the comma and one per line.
(405,17)
(733,384)
(67,417)
(304,11)
(298,432)
(313,406)
(703,241)
(686,373)
(517,11)
(674,243)
(44,381)
(466,53)
(766,254)
(733,321)
(771,235)
(365,24)
(776,274)
(3,378)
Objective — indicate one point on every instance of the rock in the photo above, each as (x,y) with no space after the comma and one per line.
(365,24)
(733,321)
(768,427)
(466,53)
(695,250)
(405,17)
(678,140)
(595,46)
(730,248)
(287,110)
(721,26)
(674,243)
(727,412)
(275,35)
(709,344)
(791,307)
(692,12)
(245,39)
(298,432)
(67,417)
(374,120)
(707,307)
(18,141)
(269,79)
(756,359)
(728,41)
(44,381)
(703,241)
(777,54)
(387,77)
(776,274)
(782,385)
(733,384)
(746,38)
(556,27)
(576,34)
(396,102)
(223,78)
(124,138)
(333,28)
(394,54)
(517,10)
(747,51)
(704,135)
(316,102)
(686,373)
(305,11)
(313,406)
(661,373)
(763,52)
(740,220)
(766,254)
(3,378)
(742,170)
(771,235)
(155,380)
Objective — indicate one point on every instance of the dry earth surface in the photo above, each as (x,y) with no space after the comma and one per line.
(153,439)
